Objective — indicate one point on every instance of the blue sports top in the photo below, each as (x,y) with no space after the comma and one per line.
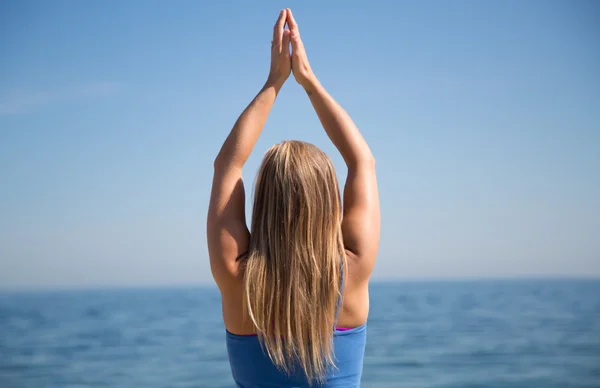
(252,368)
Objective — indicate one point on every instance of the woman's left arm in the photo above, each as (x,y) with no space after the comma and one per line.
(227,233)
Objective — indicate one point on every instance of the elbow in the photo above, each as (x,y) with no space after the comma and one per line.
(222,162)
(366,160)
(370,160)
(218,162)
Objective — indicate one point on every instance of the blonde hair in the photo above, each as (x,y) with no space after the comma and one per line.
(293,270)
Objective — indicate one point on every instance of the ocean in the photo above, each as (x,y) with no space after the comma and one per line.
(492,333)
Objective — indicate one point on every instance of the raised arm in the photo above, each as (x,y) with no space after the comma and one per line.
(227,233)
(360,225)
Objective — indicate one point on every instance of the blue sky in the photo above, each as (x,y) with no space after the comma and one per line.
(484,118)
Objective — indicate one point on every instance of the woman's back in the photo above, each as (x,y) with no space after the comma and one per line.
(251,365)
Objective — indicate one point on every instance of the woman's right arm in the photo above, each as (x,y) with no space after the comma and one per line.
(360,226)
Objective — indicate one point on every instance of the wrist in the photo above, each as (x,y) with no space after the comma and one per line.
(310,84)
(275,81)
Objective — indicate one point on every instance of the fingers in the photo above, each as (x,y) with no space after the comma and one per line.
(292,22)
(278,29)
(297,46)
(285,43)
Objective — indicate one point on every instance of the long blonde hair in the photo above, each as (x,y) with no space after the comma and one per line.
(293,270)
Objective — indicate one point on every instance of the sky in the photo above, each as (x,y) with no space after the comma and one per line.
(484,119)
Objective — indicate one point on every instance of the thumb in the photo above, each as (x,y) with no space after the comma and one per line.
(285,42)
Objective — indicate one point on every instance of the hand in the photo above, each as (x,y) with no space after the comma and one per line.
(300,66)
(281,65)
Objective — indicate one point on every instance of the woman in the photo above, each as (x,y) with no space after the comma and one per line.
(295,288)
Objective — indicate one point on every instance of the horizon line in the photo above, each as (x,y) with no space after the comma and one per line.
(211,285)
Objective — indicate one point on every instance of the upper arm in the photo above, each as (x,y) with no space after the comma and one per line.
(360,225)
(227,233)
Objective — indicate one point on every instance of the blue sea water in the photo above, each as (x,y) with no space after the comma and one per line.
(509,333)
